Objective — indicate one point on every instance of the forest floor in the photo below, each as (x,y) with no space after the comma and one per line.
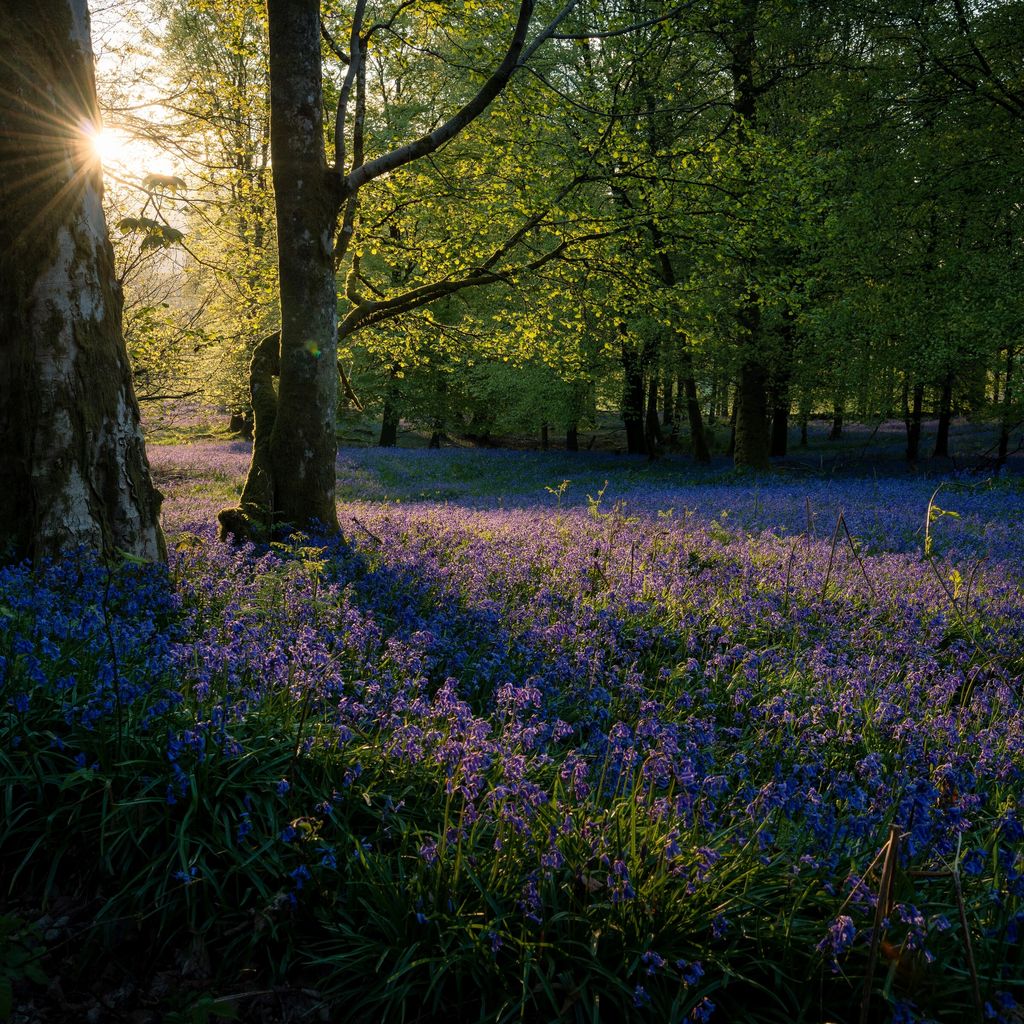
(548,736)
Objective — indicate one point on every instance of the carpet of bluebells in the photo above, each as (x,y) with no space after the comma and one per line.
(541,738)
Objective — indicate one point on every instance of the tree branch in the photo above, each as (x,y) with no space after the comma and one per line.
(516,54)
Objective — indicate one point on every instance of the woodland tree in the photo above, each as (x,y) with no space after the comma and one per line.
(291,478)
(73,466)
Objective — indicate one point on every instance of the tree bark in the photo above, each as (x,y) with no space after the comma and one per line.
(391,416)
(838,411)
(805,414)
(779,387)
(73,467)
(295,467)
(751,435)
(389,425)
(751,445)
(633,398)
(652,427)
(914,425)
(698,438)
(780,429)
(1006,420)
(941,450)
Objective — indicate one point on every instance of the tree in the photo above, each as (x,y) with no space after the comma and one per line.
(73,466)
(292,475)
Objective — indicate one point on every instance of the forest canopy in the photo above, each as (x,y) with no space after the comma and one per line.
(686,212)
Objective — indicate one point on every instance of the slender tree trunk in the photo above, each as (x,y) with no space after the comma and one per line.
(695,421)
(780,430)
(914,425)
(941,450)
(779,388)
(297,468)
(838,415)
(752,439)
(805,414)
(572,438)
(633,398)
(668,406)
(1006,420)
(751,434)
(389,424)
(751,403)
(73,468)
(545,436)
(652,427)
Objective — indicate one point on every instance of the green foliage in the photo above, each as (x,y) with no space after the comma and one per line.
(20,952)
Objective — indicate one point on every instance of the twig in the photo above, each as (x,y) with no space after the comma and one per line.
(362,526)
(831,557)
(856,555)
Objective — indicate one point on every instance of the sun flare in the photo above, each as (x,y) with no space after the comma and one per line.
(108,146)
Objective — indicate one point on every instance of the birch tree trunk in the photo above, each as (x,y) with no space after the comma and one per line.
(73,468)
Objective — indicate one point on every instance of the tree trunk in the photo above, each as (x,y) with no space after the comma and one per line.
(73,468)
(941,450)
(389,424)
(572,438)
(780,429)
(241,424)
(633,398)
(751,443)
(779,387)
(698,439)
(914,425)
(1006,420)
(545,436)
(805,414)
(838,412)
(751,434)
(652,427)
(668,400)
(292,478)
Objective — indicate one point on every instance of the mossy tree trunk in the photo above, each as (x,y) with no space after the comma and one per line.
(73,468)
